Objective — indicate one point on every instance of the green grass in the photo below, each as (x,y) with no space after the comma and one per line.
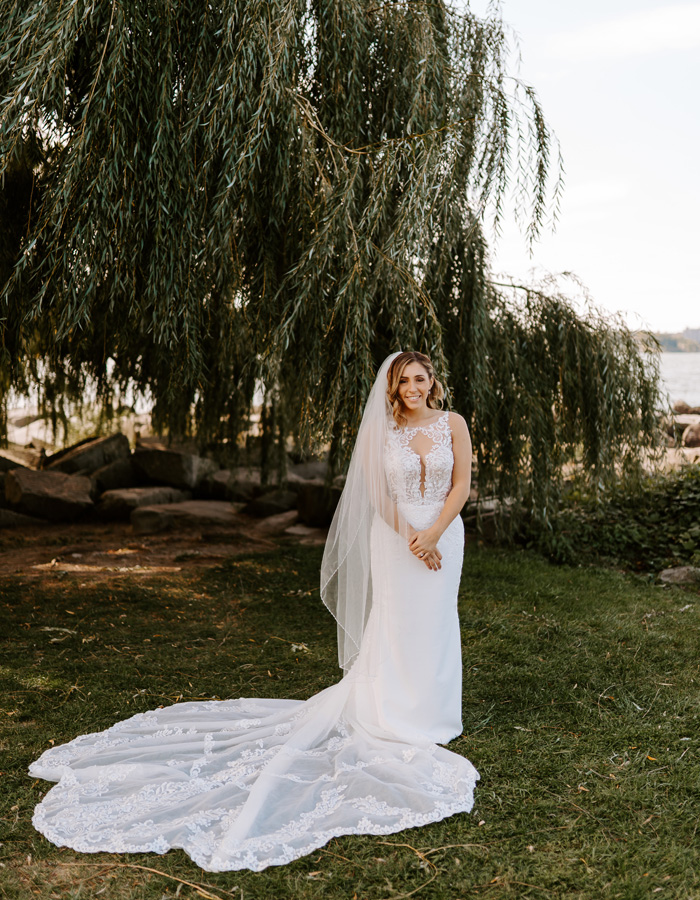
(580,711)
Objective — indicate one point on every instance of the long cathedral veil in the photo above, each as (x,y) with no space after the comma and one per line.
(346,577)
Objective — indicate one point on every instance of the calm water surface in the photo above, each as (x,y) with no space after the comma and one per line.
(680,373)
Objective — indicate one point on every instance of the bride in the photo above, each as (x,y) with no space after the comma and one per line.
(249,783)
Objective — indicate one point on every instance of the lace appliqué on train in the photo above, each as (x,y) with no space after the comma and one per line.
(249,783)
(160,800)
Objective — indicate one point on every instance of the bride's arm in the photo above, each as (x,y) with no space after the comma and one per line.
(426,541)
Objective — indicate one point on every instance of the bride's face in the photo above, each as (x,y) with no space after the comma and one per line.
(414,386)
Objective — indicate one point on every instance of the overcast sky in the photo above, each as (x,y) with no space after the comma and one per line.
(619,82)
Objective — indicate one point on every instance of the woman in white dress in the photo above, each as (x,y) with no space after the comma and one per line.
(249,783)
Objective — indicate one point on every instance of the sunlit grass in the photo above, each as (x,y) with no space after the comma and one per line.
(580,711)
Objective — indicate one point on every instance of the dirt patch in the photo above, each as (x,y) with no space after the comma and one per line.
(99,551)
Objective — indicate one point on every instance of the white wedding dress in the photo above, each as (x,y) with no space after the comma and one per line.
(250,783)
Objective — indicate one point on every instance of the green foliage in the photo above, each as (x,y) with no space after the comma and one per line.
(551,392)
(200,198)
(646,526)
(579,713)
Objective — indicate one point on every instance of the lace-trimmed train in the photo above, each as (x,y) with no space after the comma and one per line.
(250,783)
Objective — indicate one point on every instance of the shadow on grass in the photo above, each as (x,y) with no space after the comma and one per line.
(580,712)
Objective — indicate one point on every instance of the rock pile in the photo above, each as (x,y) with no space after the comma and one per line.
(157,489)
(683,428)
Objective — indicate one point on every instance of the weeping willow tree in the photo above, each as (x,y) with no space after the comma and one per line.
(198,198)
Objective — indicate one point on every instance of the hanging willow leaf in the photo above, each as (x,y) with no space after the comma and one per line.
(198,198)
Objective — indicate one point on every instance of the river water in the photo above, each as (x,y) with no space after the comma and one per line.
(680,373)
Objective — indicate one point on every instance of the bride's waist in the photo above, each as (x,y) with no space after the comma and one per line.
(420,514)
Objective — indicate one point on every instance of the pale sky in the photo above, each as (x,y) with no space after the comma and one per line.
(619,83)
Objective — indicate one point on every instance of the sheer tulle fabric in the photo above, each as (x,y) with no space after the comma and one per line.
(346,570)
(250,783)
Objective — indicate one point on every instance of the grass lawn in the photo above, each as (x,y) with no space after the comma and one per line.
(580,712)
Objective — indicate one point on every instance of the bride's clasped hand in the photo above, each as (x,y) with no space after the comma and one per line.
(249,783)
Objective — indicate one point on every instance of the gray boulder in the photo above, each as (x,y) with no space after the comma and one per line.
(686,419)
(119,504)
(11,519)
(23,421)
(305,534)
(302,473)
(88,456)
(190,514)
(7,463)
(271,504)
(684,409)
(277,524)
(691,436)
(245,484)
(215,486)
(676,425)
(115,475)
(681,575)
(316,503)
(49,495)
(313,470)
(182,470)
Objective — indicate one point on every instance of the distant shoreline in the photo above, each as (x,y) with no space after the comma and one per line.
(684,342)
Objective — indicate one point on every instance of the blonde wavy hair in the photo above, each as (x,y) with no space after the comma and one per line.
(394,374)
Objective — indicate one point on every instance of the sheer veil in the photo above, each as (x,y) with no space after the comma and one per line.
(346,577)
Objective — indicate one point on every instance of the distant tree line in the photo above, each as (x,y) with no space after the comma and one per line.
(687,341)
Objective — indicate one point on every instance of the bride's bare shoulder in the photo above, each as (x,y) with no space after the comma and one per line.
(457,423)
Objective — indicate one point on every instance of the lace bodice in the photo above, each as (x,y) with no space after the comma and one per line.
(419,462)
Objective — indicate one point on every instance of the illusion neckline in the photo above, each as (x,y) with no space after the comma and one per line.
(408,428)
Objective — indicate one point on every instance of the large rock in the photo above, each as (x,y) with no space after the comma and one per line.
(244,484)
(115,475)
(190,514)
(305,534)
(313,470)
(49,495)
(682,407)
(682,421)
(302,473)
(676,425)
(119,504)
(691,436)
(11,519)
(216,486)
(316,503)
(271,504)
(23,421)
(8,462)
(277,524)
(681,575)
(90,455)
(171,467)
